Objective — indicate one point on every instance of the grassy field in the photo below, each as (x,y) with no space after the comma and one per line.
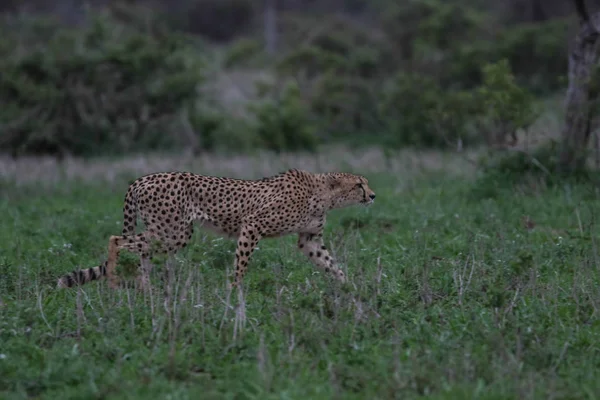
(454,292)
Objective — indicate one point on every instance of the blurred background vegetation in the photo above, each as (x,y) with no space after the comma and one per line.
(114,77)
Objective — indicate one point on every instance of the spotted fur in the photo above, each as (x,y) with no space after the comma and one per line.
(169,203)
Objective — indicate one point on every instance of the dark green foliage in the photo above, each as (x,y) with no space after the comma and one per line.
(338,46)
(346,105)
(341,67)
(501,107)
(437,74)
(501,171)
(342,102)
(310,62)
(537,54)
(219,131)
(104,87)
(418,112)
(422,27)
(451,40)
(242,52)
(208,125)
(401,73)
(283,120)
(541,162)
(341,85)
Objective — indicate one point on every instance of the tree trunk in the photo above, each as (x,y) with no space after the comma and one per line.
(581,93)
(270,15)
(537,11)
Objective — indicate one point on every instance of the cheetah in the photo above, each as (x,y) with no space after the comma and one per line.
(292,202)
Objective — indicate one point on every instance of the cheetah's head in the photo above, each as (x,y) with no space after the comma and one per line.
(349,189)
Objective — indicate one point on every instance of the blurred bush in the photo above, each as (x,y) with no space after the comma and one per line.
(242,53)
(427,31)
(426,73)
(537,54)
(346,105)
(502,107)
(419,79)
(282,119)
(419,112)
(339,66)
(104,87)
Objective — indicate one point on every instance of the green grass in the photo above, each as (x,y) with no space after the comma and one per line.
(450,296)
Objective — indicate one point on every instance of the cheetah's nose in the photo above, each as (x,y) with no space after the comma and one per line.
(372,196)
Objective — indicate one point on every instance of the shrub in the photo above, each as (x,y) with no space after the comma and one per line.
(503,107)
(451,40)
(432,24)
(418,112)
(537,54)
(207,125)
(104,87)
(427,33)
(341,66)
(283,120)
(242,53)
(539,167)
(337,46)
(541,161)
(218,130)
(345,105)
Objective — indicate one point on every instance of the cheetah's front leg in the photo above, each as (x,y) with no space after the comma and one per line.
(313,247)
(247,241)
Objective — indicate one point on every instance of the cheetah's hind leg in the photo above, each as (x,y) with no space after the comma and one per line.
(134,243)
(141,244)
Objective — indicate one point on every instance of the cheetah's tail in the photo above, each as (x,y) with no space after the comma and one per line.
(82,276)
